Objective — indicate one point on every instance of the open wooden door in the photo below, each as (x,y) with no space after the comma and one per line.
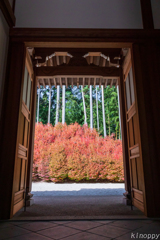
(21,158)
(133,133)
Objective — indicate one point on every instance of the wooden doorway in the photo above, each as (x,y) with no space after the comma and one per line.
(23,136)
(133,134)
(43,75)
(131,112)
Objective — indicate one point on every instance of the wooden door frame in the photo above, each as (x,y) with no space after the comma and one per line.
(9,125)
(130,65)
(31,141)
(17,140)
(99,38)
(124,137)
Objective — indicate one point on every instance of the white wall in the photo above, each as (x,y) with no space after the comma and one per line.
(156,13)
(78,13)
(4,33)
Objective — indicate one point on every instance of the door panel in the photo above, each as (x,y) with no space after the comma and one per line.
(23,168)
(140,179)
(131,137)
(135,156)
(21,125)
(25,143)
(25,84)
(18,175)
(136,137)
(23,138)
(133,172)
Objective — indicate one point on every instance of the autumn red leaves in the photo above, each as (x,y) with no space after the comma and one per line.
(75,152)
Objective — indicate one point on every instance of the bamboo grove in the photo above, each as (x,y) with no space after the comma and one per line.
(78,107)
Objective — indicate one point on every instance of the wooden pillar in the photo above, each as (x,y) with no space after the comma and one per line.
(147,16)
(146,58)
(63,103)
(91,108)
(103,111)
(124,135)
(31,145)
(9,124)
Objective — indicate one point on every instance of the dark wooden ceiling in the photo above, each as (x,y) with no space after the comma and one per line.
(78,52)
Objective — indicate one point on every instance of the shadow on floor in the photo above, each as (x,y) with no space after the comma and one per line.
(81,192)
(77,207)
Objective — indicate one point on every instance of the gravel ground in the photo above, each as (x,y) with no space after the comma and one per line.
(77,201)
(77,189)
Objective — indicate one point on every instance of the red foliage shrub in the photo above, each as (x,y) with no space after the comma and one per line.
(77,153)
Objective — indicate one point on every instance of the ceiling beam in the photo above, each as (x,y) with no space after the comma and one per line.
(78,82)
(111,84)
(49,82)
(91,59)
(104,62)
(43,82)
(94,82)
(116,83)
(66,80)
(84,38)
(77,70)
(64,59)
(60,80)
(89,82)
(43,52)
(106,82)
(83,82)
(57,59)
(100,82)
(38,84)
(55,83)
(50,62)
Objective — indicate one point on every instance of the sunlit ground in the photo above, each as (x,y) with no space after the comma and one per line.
(77,189)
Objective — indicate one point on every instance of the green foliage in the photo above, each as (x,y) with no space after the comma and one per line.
(44,104)
(74,111)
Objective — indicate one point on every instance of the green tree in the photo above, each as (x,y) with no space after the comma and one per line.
(74,111)
(111,111)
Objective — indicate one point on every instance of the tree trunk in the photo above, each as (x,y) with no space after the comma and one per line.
(103,110)
(57,107)
(84,107)
(63,103)
(49,108)
(97,109)
(91,108)
(109,125)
